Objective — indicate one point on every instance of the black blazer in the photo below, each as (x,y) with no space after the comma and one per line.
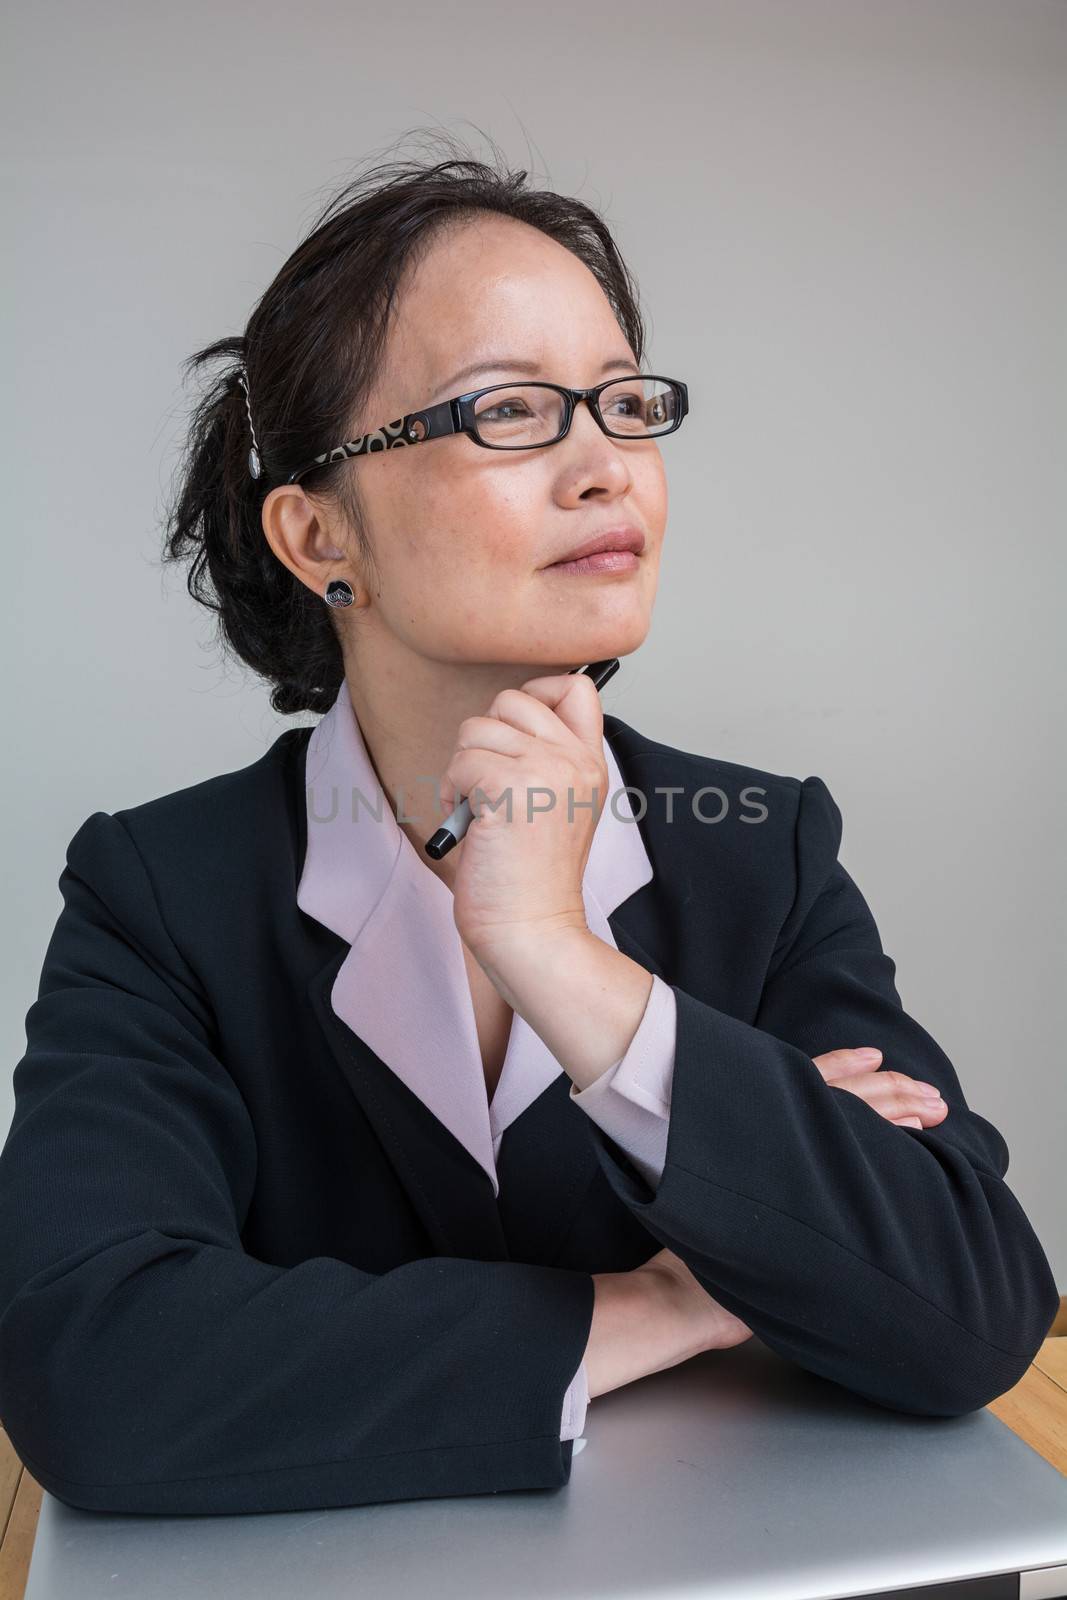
(246,1269)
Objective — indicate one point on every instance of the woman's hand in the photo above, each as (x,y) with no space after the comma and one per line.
(909,1102)
(650,1318)
(701,1318)
(537,757)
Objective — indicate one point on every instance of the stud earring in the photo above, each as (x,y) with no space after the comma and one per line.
(339,592)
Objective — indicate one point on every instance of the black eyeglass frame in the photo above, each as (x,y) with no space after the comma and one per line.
(457,416)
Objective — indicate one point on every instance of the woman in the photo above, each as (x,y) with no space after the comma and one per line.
(343,1174)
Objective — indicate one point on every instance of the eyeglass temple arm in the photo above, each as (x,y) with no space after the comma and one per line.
(433,422)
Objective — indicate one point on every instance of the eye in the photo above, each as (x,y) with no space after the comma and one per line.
(636,402)
(505,408)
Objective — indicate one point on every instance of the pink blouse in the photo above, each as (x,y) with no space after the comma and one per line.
(403,985)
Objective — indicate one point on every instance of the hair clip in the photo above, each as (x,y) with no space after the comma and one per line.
(254,466)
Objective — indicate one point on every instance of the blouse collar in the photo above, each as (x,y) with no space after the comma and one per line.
(403,985)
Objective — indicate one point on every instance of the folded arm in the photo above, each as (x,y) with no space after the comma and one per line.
(894,1261)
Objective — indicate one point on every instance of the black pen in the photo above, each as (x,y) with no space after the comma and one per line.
(456,824)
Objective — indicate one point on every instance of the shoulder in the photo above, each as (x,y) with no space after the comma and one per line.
(749,840)
(209,838)
(713,790)
(222,799)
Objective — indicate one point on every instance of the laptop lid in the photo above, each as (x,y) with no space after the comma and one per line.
(735,1476)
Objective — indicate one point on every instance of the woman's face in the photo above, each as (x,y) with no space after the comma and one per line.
(463,538)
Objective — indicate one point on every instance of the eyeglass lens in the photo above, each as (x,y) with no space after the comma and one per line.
(516,417)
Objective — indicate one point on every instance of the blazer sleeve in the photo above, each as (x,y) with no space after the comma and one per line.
(891,1260)
(147,1362)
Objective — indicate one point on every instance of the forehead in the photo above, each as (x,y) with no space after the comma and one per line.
(489,286)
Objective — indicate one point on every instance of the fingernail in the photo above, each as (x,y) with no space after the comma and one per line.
(930,1090)
(869,1054)
(910,1122)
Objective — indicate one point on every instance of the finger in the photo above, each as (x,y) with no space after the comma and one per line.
(501,786)
(490,733)
(907,1122)
(575,700)
(477,773)
(894,1095)
(526,712)
(474,737)
(834,1064)
(551,688)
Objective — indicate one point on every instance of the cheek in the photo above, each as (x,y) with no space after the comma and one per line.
(452,547)
(491,519)
(650,486)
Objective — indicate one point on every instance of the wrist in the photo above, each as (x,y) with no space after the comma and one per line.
(643,1322)
(691,1313)
(624,1337)
(517,954)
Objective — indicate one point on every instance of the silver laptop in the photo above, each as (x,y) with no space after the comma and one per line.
(736,1476)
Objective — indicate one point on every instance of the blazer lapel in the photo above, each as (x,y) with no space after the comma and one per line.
(448,1189)
(395,1006)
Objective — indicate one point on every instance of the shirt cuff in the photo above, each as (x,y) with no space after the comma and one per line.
(631,1101)
(575,1404)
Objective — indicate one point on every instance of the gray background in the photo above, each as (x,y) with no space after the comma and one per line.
(846,218)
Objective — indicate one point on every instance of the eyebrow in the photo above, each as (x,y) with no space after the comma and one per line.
(517,364)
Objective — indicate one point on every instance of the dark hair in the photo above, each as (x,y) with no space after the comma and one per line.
(311,349)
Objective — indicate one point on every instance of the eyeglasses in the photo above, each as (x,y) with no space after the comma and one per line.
(527,416)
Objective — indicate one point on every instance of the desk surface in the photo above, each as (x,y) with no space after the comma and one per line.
(1035,1409)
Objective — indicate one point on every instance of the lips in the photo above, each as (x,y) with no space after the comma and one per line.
(621,538)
